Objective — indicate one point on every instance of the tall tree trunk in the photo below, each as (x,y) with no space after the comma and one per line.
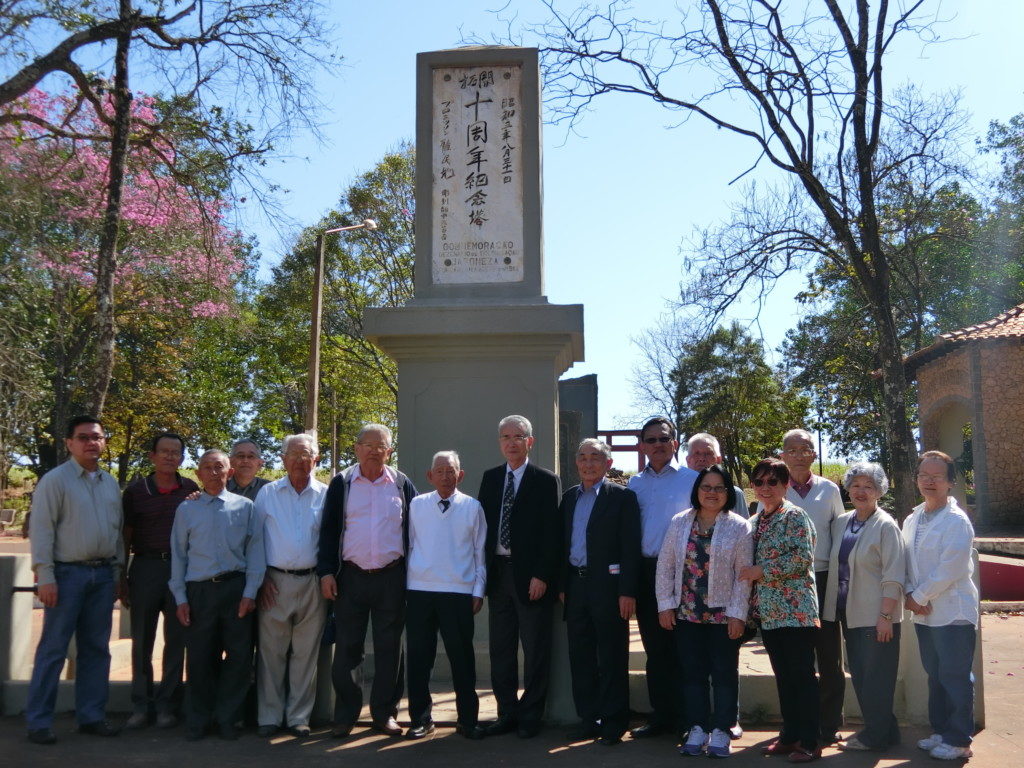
(106,265)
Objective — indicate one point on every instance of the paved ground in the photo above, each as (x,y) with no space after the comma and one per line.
(1000,744)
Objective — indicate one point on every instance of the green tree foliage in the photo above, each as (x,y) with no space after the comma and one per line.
(723,385)
(362,269)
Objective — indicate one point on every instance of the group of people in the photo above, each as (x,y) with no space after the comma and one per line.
(236,563)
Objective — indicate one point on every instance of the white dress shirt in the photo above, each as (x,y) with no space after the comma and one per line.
(446,548)
(291,522)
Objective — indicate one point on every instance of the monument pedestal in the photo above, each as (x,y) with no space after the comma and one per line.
(463,367)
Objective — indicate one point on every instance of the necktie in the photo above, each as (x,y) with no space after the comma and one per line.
(445,503)
(505,526)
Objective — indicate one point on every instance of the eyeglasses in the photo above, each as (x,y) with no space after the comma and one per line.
(759,481)
(653,440)
(382,447)
(514,438)
(802,453)
(712,488)
(933,478)
(90,438)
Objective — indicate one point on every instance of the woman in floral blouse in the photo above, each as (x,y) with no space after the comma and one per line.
(786,607)
(701,599)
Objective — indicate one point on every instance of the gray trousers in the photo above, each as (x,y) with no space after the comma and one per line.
(873,668)
(289,641)
(151,597)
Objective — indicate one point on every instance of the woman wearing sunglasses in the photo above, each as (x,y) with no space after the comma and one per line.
(703,602)
(785,605)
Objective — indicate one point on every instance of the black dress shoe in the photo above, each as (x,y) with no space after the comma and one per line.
(610,740)
(299,731)
(584,732)
(42,736)
(341,730)
(647,731)
(420,731)
(471,732)
(528,731)
(229,732)
(827,739)
(266,731)
(195,733)
(389,727)
(99,728)
(501,725)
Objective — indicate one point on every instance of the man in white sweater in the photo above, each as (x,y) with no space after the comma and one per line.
(446,579)
(823,503)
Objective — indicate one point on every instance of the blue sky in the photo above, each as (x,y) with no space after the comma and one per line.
(620,197)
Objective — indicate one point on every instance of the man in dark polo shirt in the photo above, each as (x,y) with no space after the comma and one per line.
(246,461)
(149,504)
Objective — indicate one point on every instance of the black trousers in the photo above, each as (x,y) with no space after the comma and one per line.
(598,656)
(362,597)
(511,622)
(828,652)
(791,652)
(150,596)
(664,678)
(219,661)
(451,614)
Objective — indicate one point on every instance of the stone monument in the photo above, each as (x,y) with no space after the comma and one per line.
(479,340)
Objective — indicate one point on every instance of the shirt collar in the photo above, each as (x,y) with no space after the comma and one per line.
(673,466)
(518,473)
(594,489)
(802,488)
(210,497)
(389,475)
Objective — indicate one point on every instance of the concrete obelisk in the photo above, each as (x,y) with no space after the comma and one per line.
(479,340)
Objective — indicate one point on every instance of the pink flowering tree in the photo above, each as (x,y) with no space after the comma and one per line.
(175,259)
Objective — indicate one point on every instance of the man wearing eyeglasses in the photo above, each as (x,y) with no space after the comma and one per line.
(663,489)
(364,535)
(821,500)
(149,507)
(246,461)
(292,609)
(77,556)
(520,502)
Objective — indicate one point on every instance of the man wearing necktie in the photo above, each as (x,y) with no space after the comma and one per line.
(445,591)
(520,501)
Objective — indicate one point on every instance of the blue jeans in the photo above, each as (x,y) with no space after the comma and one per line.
(85,599)
(947,654)
(873,668)
(709,661)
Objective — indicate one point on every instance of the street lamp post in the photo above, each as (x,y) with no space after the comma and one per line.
(313,375)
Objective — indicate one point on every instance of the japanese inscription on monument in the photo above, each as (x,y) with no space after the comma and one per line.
(478,189)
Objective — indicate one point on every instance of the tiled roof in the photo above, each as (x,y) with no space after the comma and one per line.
(1008,325)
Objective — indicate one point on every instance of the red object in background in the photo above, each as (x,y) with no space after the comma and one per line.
(1002,578)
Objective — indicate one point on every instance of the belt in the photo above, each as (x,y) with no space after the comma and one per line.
(97,563)
(578,570)
(154,555)
(394,563)
(503,558)
(296,572)
(226,576)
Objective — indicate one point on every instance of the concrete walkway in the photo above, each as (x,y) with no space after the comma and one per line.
(1000,745)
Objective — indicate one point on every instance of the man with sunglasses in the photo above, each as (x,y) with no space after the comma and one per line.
(663,489)
(77,556)
(821,500)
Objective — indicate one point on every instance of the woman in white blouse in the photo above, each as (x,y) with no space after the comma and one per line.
(705,605)
(864,594)
(944,600)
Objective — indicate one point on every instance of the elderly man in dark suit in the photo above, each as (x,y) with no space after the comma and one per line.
(520,501)
(601,557)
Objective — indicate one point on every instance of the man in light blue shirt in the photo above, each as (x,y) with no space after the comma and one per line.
(217,566)
(663,489)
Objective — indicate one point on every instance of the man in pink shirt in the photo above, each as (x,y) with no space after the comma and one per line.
(361,564)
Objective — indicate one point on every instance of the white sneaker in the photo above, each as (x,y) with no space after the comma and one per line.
(949,752)
(719,744)
(930,743)
(695,742)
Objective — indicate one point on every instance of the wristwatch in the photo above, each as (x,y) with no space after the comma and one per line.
(886,616)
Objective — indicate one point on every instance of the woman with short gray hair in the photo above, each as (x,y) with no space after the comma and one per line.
(869,561)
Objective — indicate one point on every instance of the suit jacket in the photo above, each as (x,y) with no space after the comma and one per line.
(613,544)
(332,522)
(536,529)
